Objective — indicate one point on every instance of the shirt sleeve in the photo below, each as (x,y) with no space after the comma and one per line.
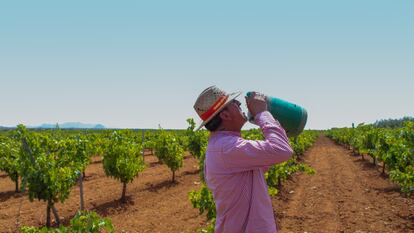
(241,154)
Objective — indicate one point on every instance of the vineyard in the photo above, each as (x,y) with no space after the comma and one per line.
(151,181)
(393,148)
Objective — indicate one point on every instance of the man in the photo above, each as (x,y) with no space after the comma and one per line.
(235,167)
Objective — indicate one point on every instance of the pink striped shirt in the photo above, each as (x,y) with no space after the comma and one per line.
(234,171)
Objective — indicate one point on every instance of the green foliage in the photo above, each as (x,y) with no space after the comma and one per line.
(203,201)
(149,144)
(89,221)
(82,222)
(278,173)
(197,140)
(253,134)
(197,145)
(394,147)
(9,159)
(405,178)
(169,151)
(46,166)
(281,172)
(302,142)
(79,149)
(122,158)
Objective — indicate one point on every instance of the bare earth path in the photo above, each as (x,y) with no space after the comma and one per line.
(346,194)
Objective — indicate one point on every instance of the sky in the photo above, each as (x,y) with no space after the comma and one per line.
(141,64)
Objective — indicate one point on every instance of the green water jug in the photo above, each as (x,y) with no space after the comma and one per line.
(291,116)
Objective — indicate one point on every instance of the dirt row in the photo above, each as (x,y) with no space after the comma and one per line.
(347,194)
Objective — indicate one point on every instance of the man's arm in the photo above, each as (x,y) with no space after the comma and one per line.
(240,154)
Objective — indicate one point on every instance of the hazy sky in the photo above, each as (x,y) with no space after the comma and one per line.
(138,64)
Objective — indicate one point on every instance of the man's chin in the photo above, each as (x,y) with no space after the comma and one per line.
(241,126)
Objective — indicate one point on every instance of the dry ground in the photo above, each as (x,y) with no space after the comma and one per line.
(347,194)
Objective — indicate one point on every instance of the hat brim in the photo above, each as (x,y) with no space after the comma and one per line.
(231,97)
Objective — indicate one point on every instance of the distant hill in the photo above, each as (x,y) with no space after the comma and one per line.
(71,125)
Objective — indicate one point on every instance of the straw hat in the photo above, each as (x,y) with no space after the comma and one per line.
(210,102)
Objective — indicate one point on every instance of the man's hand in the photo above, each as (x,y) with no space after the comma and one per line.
(256,103)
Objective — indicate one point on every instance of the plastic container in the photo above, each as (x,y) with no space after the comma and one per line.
(291,116)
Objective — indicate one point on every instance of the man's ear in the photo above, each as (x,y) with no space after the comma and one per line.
(224,115)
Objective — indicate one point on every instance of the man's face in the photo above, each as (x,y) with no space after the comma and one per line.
(238,118)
